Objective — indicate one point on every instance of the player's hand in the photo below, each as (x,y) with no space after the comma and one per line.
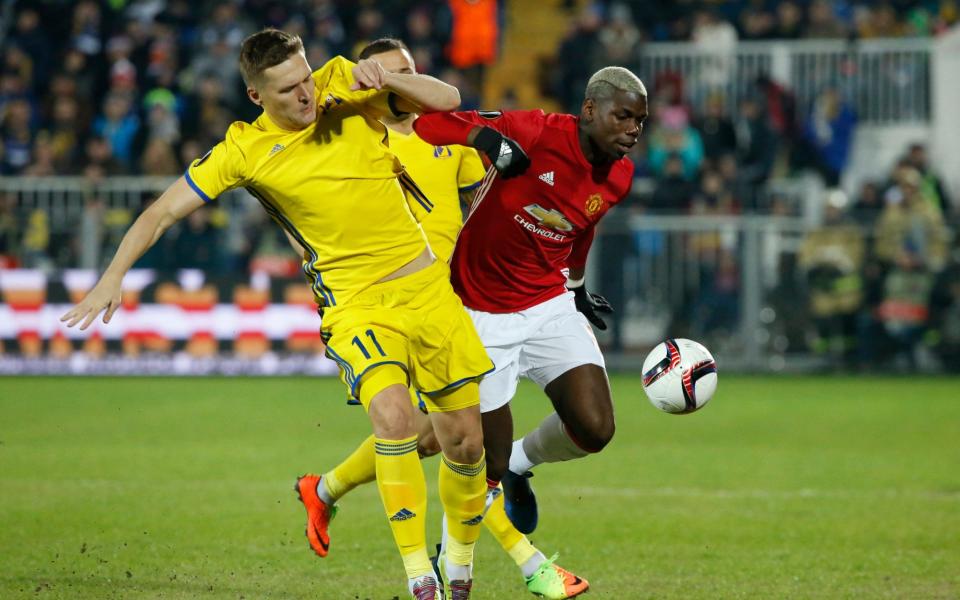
(506,155)
(105,296)
(369,75)
(590,304)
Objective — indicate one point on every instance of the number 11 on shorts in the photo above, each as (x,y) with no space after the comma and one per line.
(359,344)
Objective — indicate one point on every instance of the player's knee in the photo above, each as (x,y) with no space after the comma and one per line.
(593,433)
(465,446)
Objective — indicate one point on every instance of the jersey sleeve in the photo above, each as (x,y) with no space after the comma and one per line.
(222,168)
(471,170)
(445,128)
(580,249)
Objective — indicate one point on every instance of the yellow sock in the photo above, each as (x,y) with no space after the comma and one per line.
(515,543)
(404,494)
(463,491)
(357,469)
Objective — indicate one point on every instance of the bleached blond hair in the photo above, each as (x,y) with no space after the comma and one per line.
(604,83)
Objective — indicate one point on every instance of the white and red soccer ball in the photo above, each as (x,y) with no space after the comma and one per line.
(679,376)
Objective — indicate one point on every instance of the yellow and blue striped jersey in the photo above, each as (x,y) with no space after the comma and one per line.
(333,185)
(441,173)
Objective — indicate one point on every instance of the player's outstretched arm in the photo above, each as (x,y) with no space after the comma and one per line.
(505,154)
(178,201)
(415,93)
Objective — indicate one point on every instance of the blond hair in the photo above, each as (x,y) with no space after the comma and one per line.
(608,80)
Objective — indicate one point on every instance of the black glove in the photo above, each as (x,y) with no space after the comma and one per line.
(591,304)
(507,157)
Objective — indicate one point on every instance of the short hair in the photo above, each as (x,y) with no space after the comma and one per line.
(607,81)
(265,49)
(385,44)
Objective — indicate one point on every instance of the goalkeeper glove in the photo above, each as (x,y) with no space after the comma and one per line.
(590,304)
(507,157)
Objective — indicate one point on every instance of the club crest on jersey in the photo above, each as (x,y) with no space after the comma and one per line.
(331,102)
(442,152)
(552,218)
(594,204)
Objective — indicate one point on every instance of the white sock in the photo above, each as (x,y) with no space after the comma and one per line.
(549,443)
(443,535)
(324,494)
(457,572)
(519,462)
(532,565)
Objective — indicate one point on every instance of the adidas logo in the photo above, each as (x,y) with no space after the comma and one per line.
(403,514)
(547,178)
(474,521)
(276,148)
(505,149)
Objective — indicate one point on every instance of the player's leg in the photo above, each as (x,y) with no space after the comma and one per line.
(403,490)
(563,357)
(542,576)
(462,481)
(320,493)
(582,424)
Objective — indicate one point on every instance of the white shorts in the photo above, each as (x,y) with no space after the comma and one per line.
(542,343)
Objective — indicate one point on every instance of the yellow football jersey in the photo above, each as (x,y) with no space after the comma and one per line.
(441,173)
(333,185)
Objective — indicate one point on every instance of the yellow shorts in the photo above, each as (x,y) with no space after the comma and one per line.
(416,322)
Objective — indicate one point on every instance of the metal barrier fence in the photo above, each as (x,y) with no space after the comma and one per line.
(76,208)
(749,287)
(888,81)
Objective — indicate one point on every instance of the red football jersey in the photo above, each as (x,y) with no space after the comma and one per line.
(521,232)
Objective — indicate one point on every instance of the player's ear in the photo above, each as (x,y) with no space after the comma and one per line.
(588,110)
(254,96)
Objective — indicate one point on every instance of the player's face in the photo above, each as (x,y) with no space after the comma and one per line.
(615,124)
(286,93)
(396,61)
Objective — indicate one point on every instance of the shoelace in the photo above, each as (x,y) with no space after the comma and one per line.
(460,590)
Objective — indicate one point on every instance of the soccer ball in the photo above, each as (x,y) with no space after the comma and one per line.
(679,376)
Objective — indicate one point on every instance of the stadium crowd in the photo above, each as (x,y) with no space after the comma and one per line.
(101,88)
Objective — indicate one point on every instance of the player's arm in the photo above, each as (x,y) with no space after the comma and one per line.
(294,244)
(178,201)
(411,92)
(587,303)
(467,129)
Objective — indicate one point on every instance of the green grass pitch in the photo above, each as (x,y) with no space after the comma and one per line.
(783,487)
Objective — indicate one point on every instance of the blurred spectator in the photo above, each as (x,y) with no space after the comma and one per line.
(30,37)
(119,125)
(674,192)
(673,134)
(945,317)
(717,39)
(911,232)
(931,187)
(36,241)
(868,206)
(619,39)
(66,131)
(86,33)
(100,162)
(716,129)
(789,24)
(159,158)
(756,21)
(822,22)
(832,258)
(17,137)
(473,37)
(756,143)
(575,58)
(829,130)
(43,157)
(196,243)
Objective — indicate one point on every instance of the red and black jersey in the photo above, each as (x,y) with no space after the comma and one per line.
(522,232)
